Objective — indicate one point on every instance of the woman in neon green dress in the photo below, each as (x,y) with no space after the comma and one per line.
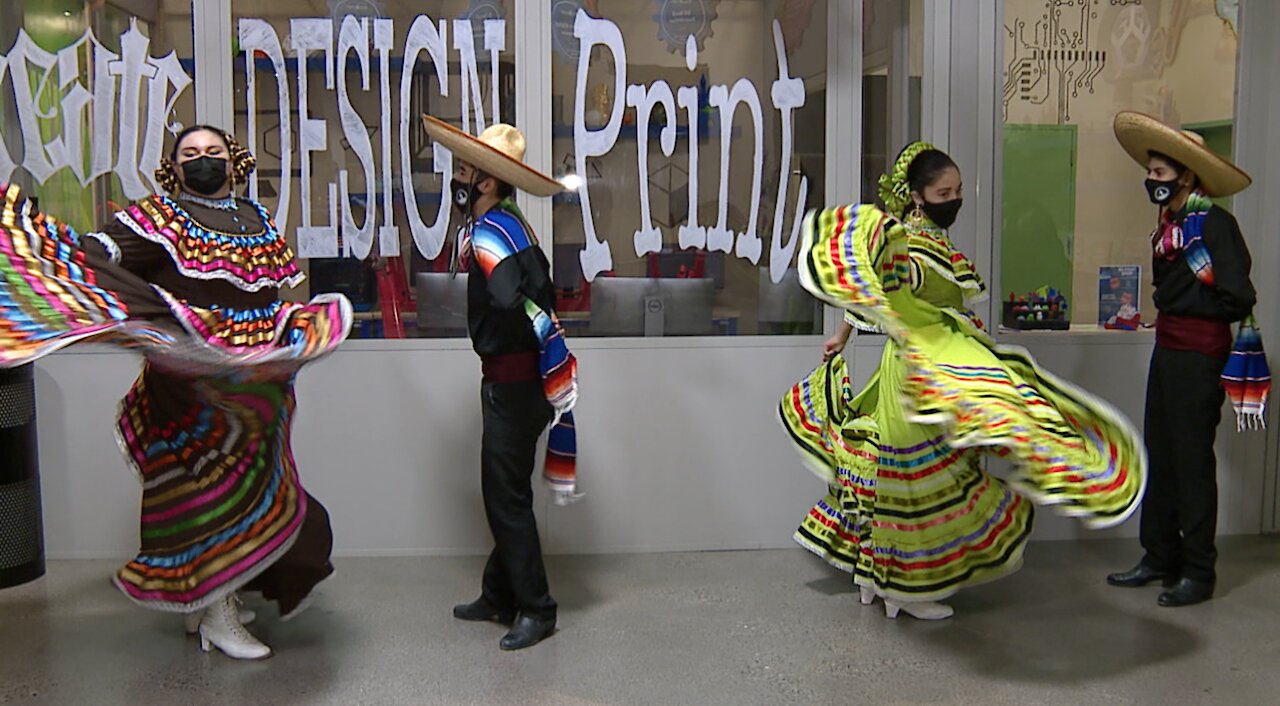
(910,511)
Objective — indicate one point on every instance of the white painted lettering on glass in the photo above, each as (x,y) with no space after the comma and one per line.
(787,94)
(357,240)
(596,257)
(256,36)
(103,129)
(383,40)
(424,36)
(649,238)
(313,135)
(113,112)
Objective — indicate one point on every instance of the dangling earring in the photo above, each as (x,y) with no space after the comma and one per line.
(916,217)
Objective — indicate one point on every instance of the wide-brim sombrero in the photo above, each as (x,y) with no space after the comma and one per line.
(498,152)
(1140,135)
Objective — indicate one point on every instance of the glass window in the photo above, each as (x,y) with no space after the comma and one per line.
(1075,215)
(343,161)
(892,63)
(892,66)
(698,131)
(90,92)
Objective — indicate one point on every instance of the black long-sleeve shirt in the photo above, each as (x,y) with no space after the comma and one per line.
(1231,297)
(507,268)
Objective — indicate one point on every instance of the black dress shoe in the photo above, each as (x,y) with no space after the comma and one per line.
(527,632)
(1186,592)
(1141,575)
(482,610)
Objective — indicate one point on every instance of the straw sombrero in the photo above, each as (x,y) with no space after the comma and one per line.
(1140,135)
(498,152)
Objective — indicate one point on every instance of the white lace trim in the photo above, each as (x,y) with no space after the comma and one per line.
(109,244)
(860,324)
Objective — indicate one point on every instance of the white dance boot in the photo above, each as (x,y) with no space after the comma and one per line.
(923,610)
(193,619)
(866,595)
(220,627)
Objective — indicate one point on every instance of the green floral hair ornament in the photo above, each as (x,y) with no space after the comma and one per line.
(895,192)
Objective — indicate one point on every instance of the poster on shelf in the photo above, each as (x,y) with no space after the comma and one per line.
(1118,297)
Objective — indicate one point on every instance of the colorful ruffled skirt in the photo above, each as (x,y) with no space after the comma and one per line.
(207,425)
(910,510)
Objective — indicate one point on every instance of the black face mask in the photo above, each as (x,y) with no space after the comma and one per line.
(1162,192)
(205,175)
(463,194)
(942,214)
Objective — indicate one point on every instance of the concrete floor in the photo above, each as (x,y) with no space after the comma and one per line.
(765,627)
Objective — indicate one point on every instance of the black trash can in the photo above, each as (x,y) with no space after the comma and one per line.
(21,525)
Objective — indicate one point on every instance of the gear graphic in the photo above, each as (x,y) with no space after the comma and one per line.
(563,13)
(339,9)
(678,20)
(478,12)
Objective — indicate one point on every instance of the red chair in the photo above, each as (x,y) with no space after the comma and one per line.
(698,271)
(393,296)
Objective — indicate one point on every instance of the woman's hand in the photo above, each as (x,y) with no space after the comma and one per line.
(835,345)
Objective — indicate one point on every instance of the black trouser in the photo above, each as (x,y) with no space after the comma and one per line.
(515,415)
(1180,508)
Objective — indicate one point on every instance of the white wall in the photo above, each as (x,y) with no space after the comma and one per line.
(679,444)
(680,449)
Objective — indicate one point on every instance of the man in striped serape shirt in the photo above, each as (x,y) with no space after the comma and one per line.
(530,378)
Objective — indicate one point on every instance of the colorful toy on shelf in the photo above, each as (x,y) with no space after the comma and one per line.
(1044,309)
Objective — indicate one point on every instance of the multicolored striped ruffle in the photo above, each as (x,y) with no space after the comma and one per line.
(860,283)
(494,239)
(915,520)
(1070,450)
(1073,450)
(221,499)
(251,262)
(215,340)
(49,296)
(909,509)
(931,249)
(206,426)
(53,294)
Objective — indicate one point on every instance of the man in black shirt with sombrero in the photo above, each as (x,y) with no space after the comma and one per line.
(1201,277)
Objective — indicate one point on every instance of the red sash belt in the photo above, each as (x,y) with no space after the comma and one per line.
(511,367)
(1188,333)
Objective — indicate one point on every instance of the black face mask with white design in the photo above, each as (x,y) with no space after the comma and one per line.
(463,194)
(1161,192)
